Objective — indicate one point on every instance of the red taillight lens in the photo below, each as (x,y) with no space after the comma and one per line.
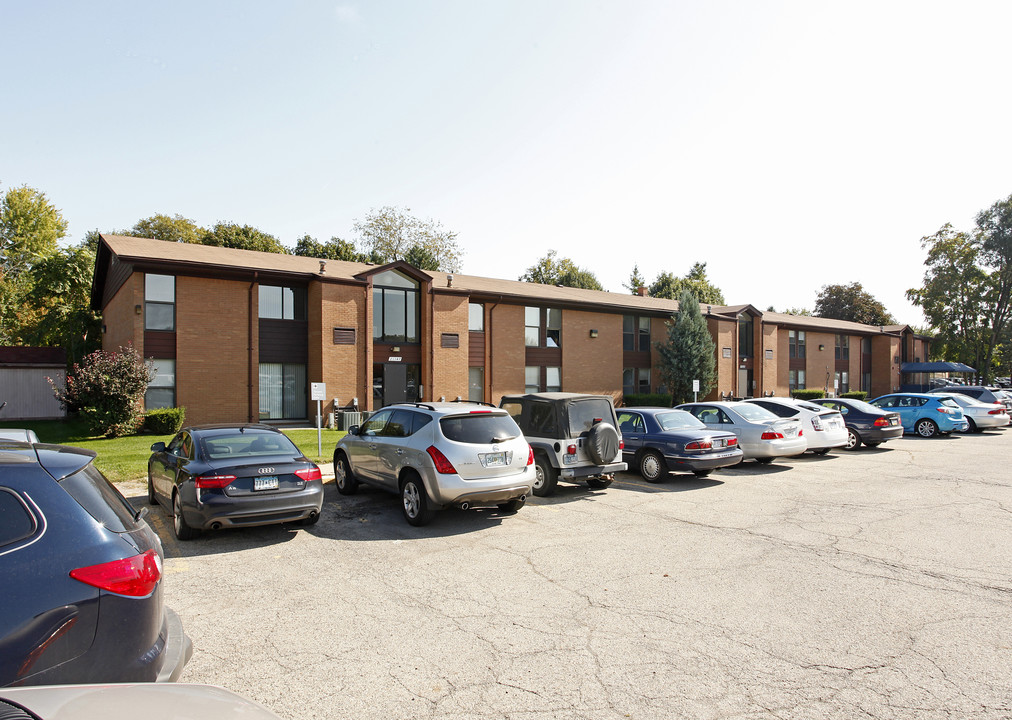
(310,474)
(944,410)
(621,444)
(731,442)
(881,422)
(699,445)
(999,411)
(773,435)
(530,455)
(206,482)
(135,576)
(571,450)
(443,466)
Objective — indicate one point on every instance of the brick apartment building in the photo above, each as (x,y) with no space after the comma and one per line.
(238,335)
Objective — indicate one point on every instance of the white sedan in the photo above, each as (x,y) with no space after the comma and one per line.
(979,414)
(761,434)
(825,428)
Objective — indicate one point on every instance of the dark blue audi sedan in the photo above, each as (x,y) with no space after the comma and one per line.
(80,577)
(661,440)
(214,476)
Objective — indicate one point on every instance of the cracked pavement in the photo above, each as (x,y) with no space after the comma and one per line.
(869,584)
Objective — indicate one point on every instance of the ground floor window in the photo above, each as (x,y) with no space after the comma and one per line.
(282,391)
(476,384)
(539,378)
(866,382)
(795,380)
(161,392)
(842,382)
(635,380)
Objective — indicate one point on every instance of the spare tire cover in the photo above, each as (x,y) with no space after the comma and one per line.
(602,443)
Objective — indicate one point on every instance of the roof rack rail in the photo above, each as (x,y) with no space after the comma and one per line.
(474,402)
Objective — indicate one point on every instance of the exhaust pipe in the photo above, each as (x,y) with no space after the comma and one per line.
(216,526)
(465,506)
(523,498)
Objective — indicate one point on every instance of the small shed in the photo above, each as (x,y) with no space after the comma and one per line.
(24,384)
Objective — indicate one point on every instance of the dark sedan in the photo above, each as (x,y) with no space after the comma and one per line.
(80,577)
(865,423)
(214,476)
(661,440)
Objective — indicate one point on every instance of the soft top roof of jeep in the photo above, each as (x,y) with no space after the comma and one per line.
(571,415)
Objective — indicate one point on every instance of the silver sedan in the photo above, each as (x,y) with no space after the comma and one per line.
(980,415)
(761,435)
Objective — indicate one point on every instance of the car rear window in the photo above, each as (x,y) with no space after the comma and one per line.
(247,444)
(948,402)
(754,413)
(677,420)
(479,428)
(100,498)
(16,522)
(584,414)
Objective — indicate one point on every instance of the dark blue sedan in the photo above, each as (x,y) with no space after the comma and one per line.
(661,440)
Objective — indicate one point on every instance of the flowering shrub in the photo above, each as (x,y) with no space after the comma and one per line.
(107,390)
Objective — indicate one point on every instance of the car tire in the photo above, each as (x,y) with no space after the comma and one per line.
(701,473)
(764,460)
(513,505)
(926,428)
(873,444)
(820,451)
(180,527)
(545,477)
(602,444)
(853,439)
(600,483)
(973,426)
(152,500)
(415,502)
(344,478)
(652,467)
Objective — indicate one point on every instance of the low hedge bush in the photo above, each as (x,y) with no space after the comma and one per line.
(808,394)
(647,400)
(855,395)
(164,421)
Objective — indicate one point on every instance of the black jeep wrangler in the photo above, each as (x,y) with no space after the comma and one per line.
(573,436)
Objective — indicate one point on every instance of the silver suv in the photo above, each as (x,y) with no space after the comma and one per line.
(438,455)
(573,436)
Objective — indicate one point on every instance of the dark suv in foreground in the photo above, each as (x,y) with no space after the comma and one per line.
(80,576)
(573,436)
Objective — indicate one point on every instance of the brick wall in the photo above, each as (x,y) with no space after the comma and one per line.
(213,380)
(885,371)
(768,376)
(346,369)
(592,365)
(448,365)
(724,334)
(123,325)
(819,362)
(504,329)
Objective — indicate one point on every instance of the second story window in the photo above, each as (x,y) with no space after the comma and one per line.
(796,343)
(635,333)
(475,317)
(843,347)
(542,327)
(159,302)
(745,336)
(282,303)
(395,310)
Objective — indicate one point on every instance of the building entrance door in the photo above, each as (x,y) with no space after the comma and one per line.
(395,383)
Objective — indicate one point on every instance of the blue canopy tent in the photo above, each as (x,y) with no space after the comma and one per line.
(909,382)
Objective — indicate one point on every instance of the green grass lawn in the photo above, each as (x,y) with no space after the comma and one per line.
(126,458)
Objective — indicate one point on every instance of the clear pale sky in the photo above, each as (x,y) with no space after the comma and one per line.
(787,144)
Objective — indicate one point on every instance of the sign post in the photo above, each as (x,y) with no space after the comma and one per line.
(695,391)
(318,392)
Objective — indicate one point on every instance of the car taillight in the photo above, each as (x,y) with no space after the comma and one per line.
(732,441)
(816,423)
(621,444)
(881,422)
(530,455)
(443,466)
(773,435)
(571,450)
(135,576)
(207,482)
(944,410)
(998,411)
(699,445)
(309,474)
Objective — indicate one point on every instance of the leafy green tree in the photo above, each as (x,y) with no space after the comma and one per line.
(994,233)
(242,237)
(667,285)
(421,257)
(30,228)
(333,249)
(851,302)
(551,271)
(107,389)
(791,311)
(389,233)
(688,353)
(636,281)
(162,227)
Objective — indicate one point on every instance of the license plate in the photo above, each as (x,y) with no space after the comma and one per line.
(569,460)
(496,459)
(267,482)
(724,455)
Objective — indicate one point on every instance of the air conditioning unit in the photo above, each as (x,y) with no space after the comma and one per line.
(350,418)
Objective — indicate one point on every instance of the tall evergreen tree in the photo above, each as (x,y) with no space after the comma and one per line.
(688,353)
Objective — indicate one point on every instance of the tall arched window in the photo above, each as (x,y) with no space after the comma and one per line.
(395,309)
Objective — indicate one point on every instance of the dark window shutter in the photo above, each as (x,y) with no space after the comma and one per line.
(344,336)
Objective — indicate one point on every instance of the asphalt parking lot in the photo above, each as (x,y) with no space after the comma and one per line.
(869,584)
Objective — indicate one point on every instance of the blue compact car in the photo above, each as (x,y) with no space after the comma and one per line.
(924,414)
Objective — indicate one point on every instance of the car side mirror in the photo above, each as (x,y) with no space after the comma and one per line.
(353,430)
(158,447)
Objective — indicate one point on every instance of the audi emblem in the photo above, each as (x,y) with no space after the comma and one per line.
(266,471)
